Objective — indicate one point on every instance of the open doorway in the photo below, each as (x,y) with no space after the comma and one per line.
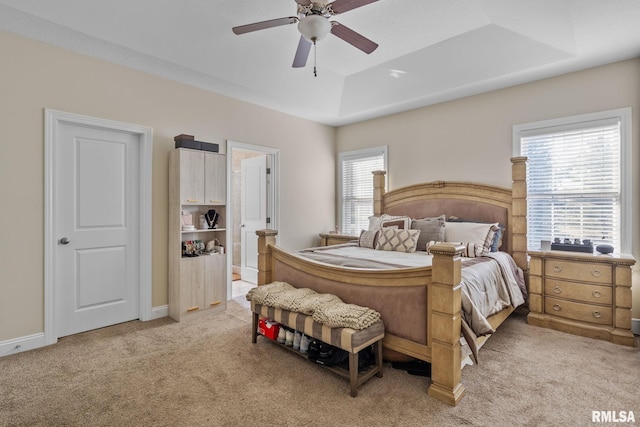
(253,202)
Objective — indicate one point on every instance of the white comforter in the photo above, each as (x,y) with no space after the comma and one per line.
(489,283)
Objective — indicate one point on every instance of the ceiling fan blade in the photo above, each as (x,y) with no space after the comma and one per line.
(302,53)
(353,38)
(242,29)
(303,2)
(341,6)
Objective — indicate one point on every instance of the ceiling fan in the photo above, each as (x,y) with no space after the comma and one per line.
(314,24)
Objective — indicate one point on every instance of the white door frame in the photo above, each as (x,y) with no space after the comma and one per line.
(273,210)
(52,120)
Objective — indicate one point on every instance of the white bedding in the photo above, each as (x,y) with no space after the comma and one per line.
(404,259)
(489,283)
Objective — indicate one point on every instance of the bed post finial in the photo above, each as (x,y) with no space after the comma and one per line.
(519,211)
(378,192)
(266,238)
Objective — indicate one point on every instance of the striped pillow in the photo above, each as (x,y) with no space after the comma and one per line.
(368,239)
(471,250)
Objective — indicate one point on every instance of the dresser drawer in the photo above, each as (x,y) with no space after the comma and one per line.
(578,311)
(598,294)
(579,271)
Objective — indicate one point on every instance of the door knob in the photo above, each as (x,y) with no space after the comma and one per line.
(64,241)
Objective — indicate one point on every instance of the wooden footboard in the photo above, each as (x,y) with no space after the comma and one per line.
(422,320)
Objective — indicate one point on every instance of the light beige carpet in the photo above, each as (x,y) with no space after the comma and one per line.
(207,373)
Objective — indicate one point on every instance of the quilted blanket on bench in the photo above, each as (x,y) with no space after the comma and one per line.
(327,309)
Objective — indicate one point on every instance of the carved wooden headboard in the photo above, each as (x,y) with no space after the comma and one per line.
(467,201)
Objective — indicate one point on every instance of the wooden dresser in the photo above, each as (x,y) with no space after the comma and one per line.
(583,294)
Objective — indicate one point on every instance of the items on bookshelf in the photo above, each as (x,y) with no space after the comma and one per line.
(197,218)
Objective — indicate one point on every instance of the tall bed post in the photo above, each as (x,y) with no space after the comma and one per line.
(445,322)
(519,212)
(378,192)
(265,264)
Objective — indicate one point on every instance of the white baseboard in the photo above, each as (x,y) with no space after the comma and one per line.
(160,311)
(635,326)
(31,342)
(18,345)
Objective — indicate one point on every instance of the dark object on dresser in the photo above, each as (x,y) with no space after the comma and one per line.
(572,247)
(604,249)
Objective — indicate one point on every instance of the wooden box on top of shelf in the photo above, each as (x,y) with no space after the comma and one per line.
(197,183)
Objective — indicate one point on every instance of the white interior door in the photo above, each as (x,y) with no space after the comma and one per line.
(253,213)
(96,216)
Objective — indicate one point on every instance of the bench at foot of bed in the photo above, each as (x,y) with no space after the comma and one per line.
(351,340)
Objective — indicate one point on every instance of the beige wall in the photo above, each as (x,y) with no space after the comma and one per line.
(34,76)
(445,141)
(470,139)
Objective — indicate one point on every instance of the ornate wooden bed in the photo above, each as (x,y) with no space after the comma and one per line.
(421,306)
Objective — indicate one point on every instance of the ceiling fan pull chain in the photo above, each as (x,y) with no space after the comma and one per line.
(315,48)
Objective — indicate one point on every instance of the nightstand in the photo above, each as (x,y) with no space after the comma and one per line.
(582,294)
(328,239)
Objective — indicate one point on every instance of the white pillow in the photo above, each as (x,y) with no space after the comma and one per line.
(481,234)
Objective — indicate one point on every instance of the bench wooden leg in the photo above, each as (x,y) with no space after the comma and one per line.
(377,352)
(254,330)
(353,373)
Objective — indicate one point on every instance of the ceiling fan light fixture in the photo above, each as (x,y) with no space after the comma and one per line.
(314,27)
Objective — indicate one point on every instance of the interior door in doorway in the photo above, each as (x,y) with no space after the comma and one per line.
(96,225)
(253,213)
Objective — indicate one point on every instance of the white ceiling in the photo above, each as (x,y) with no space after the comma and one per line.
(430,50)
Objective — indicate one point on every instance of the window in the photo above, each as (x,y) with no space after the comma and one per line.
(356,187)
(578,178)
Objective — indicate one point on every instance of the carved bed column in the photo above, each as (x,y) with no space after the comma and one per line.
(378,192)
(519,211)
(445,322)
(265,264)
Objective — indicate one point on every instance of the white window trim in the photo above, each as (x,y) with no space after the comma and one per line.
(622,114)
(355,154)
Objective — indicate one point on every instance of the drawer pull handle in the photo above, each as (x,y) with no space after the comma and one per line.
(596,294)
(215,303)
(595,273)
(193,308)
(557,268)
(192,201)
(597,314)
(557,290)
(556,307)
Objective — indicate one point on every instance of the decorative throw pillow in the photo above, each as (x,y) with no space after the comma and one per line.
(399,240)
(470,249)
(368,239)
(496,244)
(430,229)
(481,234)
(389,221)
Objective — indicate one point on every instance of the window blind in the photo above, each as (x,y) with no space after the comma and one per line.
(357,190)
(574,182)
